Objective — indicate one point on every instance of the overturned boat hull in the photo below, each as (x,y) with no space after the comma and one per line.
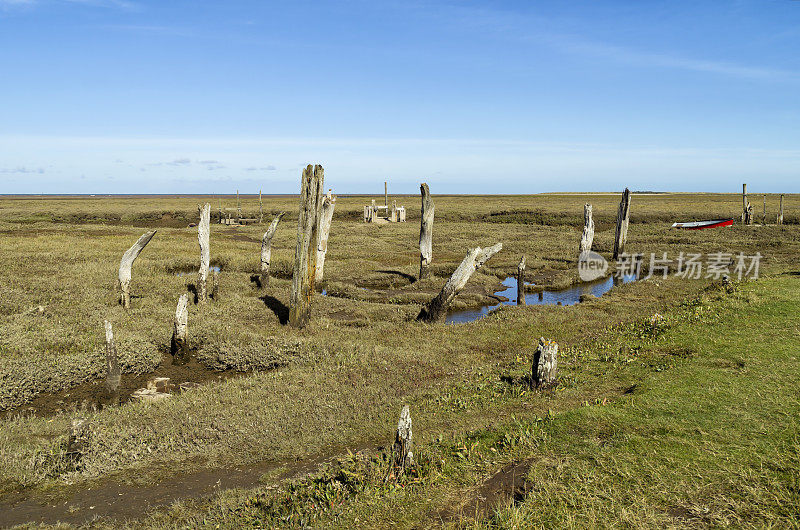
(701,225)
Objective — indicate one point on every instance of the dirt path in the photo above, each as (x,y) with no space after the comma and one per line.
(115,500)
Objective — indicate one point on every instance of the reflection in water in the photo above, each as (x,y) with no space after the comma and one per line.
(568,296)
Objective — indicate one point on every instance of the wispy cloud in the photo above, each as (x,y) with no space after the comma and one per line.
(265,168)
(22,169)
(620,54)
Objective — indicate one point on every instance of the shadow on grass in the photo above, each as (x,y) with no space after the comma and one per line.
(408,277)
(277,307)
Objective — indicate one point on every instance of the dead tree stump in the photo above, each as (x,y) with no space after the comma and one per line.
(125,266)
(588,230)
(305,261)
(436,309)
(779,219)
(179,346)
(425,232)
(266,248)
(545,369)
(623,218)
(521,282)
(203,234)
(402,455)
(113,373)
(326,217)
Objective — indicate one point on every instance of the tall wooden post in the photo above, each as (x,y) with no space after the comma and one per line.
(425,232)
(203,236)
(780,212)
(436,309)
(521,282)
(326,217)
(623,218)
(179,346)
(304,274)
(125,265)
(266,248)
(588,230)
(747,208)
(113,373)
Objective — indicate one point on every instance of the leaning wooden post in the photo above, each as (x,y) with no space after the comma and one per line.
(521,282)
(545,364)
(403,457)
(304,273)
(266,248)
(179,346)
(425,232)
(203,233)
(436,309)
(113,374)
(623,218)
(779,220)
(124,277)
(588,230)
(326,217)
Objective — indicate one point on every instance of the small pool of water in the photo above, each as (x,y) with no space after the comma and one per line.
(212,268)
(568,296)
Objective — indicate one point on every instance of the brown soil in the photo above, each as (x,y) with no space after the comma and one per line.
(508,483)
(93,395)
(116,500)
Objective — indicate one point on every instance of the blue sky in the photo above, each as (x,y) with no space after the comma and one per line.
(130,96)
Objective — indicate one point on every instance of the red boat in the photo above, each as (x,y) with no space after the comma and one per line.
(700,225)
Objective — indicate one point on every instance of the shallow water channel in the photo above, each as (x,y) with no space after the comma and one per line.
(570,295)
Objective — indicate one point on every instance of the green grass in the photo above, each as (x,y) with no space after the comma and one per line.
(341,382)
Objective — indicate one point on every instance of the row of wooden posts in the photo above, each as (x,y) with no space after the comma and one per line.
(747,209)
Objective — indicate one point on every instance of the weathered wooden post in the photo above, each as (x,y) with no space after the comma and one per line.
(78,439)
(260,208)
(305,261)
(425,232)
(203,234)
(113,374)
(125,265)
(266,248)
(588,230)
(747,208)
(623,217)
(436,309)
(521,282)
(403,456)
(779,220)
(179,346)
(545,364)
(326,217)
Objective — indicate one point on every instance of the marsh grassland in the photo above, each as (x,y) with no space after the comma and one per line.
(689,419)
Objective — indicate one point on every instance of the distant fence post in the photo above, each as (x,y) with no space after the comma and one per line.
(780,212)
(521,282)
(425,232)
(304,273)
(623,218)
(747,208)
